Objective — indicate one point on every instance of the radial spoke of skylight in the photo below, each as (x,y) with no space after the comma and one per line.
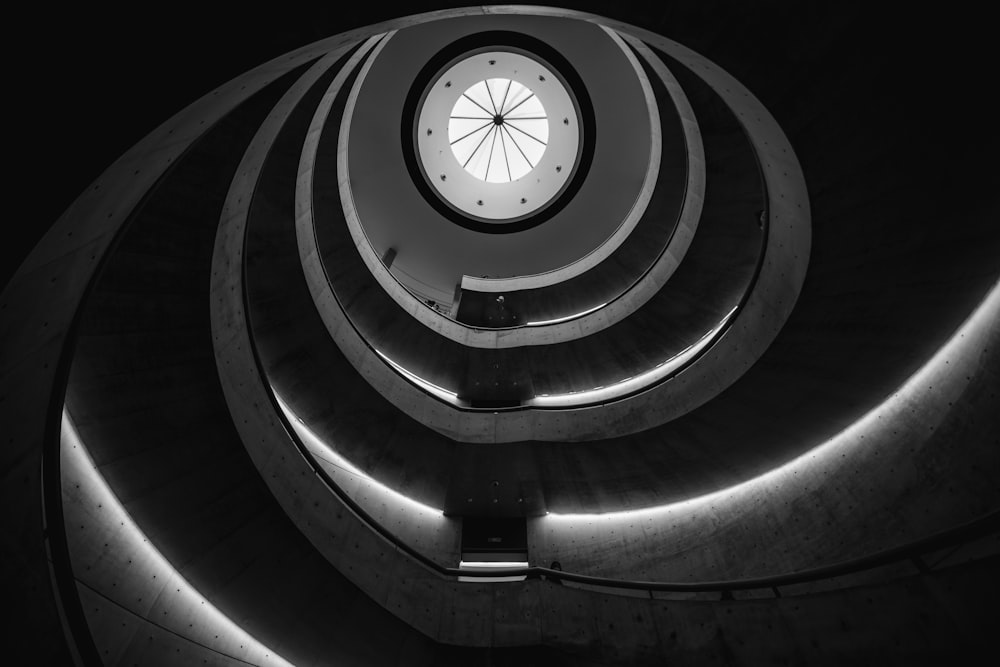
(506,158)
(478,164)
(499,171)
(529,108)
(518,94)
(493,98)
(466,108)
(506,94)
(514,127)
(512,112)
(465,148)
(531,150)
(494,162)
(496,89)
(522,165)
(464,129)
(480,96)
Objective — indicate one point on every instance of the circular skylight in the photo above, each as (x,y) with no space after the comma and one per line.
(493,148)
(498,130)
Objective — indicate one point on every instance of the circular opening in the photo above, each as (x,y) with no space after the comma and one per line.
(498,136)
(498,130)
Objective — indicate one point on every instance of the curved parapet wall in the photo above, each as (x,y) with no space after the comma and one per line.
(521,404)
(619,280)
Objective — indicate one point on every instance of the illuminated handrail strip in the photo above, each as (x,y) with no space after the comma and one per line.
(636,382)
(488,564)
(542,323)
(577,398)
(440,392)
(80,460)
(965,533)
(986,313)
(317,446)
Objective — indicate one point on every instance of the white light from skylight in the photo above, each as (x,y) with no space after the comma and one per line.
(498,130)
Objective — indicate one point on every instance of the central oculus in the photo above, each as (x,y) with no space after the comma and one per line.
(498,135)
(498,130)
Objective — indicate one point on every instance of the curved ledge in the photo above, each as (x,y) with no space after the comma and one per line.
(38,334)
(638,412)
(258,208)
(147,575)
(576,102)
(603,251)
(740,514)
(543,333)
(560,312)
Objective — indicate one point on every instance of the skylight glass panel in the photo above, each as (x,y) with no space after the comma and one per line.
(498,130)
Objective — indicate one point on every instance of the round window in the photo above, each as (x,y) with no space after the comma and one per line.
(498,130)
(498,136)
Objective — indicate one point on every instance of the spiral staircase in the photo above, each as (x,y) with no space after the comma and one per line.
(291,384)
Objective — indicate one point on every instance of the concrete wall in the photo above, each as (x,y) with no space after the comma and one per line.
(39,307)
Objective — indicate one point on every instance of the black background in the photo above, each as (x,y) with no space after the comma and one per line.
(85,83)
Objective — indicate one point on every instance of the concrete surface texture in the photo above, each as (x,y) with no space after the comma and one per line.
(232,437)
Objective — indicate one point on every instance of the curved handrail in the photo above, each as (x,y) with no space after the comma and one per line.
(950,537)
(957,535)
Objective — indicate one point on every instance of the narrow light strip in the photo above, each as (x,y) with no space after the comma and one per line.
(440,392)
(491,580)
(594,395)
(487,564)
(986,315)
(635,382)
(74,448)
(568,317)
(317,446)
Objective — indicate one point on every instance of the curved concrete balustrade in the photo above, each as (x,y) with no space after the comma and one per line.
(35,333)
(718,272)
(613,195)
(638,493)
(531,612)
(595,301)
(442,609)
(474,634)
(622,279)
(145,393)
(147,596)
(920,435)
(258,255)
(766,410)
(623,231)
(448,613)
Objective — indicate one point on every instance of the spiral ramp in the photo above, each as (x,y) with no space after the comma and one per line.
(270,376)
